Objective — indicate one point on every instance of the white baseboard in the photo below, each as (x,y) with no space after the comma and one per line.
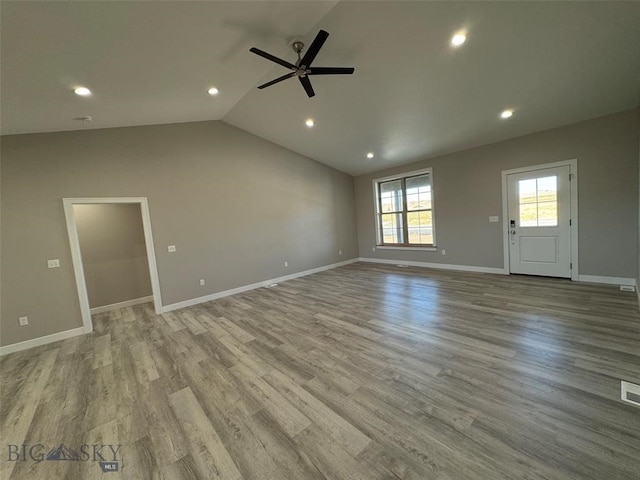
(608,280)
(55,337)
(252,286)
(36,342)
(126,303)
(501,271)
(442,266)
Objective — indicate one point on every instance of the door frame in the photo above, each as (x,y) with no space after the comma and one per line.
(76,256)
(573,187)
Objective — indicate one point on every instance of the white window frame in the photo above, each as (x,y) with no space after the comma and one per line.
(376,211)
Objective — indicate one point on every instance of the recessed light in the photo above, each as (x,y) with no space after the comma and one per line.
(458,39)
(213,91)
(506,114)
(309,122)
(82,91)
(370,155)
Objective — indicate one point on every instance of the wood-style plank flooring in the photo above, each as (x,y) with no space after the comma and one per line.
(362,372)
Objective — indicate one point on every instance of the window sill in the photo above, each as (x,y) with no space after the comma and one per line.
(399,247)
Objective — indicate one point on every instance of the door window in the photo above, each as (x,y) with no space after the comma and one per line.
(538,202)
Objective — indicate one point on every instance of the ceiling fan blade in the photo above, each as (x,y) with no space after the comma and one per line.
(268,56)
(331,71)
(314,48)
(306,83)
(279,79)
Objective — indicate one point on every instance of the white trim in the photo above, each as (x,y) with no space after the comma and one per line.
(403,174)
(252,286)
(607,280)
(376,207)
(76,256)
(151,254)
(573,188)
(126,303)
(36,342)
(442,266)
(575,271)
(417,249)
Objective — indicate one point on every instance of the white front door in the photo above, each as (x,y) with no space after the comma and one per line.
(539,209)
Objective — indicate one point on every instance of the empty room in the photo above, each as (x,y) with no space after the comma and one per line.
(319,240)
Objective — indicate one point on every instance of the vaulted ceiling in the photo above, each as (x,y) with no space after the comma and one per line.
(413,94)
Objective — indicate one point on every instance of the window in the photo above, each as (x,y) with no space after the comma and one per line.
(538,202)
(404,212)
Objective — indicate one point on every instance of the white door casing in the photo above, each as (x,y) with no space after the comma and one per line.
(540,220)
(76,256)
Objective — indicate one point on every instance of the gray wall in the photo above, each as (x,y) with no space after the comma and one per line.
(467,189)
(236,206)
(114,255)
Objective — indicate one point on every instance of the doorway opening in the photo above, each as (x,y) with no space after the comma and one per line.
(74,205)
(540,220)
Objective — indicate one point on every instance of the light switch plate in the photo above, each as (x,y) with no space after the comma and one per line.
(171,248)
(54,263)
(494,219)
(23,321)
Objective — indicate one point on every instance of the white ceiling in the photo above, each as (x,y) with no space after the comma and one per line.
(412,95)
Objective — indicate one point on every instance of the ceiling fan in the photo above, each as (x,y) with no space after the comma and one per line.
(302,68)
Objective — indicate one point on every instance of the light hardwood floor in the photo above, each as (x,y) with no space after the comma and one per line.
(362,372)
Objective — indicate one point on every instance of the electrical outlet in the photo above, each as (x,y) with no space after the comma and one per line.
(494,218)
(286,264)
(339,252)
(171,248)
(55,263)
(23,321)
(202,283)
(444,252)
(373,249)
